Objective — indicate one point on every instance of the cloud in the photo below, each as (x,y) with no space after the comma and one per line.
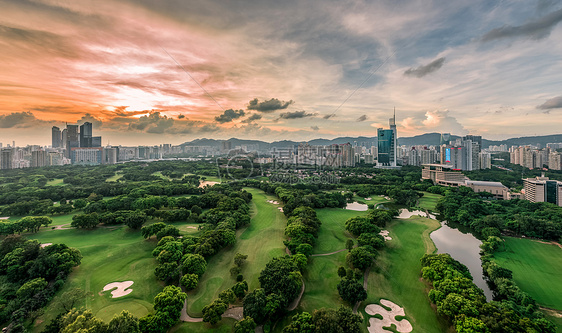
(362,118)
(181,116)
(96,123)
(553,103)
(152,123)
(269,105)
(252,118)
(229,115)
(314,128)
(442,121)
(423,70)
(535,29)
(295,115)
(328,116)
(20,120)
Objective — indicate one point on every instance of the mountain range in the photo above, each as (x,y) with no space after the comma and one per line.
(427,139)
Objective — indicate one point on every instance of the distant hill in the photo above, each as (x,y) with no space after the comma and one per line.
(423,139)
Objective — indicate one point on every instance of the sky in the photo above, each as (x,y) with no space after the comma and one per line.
(170,71)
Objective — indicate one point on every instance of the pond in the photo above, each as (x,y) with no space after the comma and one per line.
(465,248)
(357,206)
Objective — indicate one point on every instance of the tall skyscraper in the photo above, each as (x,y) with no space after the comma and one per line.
(64,138)
(86,135)
(56,137)
(72,138)
(387,144)
(6,158)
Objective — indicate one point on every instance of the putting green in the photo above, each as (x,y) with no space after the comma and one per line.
(109,255)
(261,241)
(536,269)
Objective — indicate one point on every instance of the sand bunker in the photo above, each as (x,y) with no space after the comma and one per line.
(377,325)
(384,234)
(4,218)
(46,244)
(367,198)
(203,183)
(120,288)
(357,206)
(273,202)
(280,209)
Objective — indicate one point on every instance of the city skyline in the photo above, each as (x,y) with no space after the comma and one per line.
(147,73)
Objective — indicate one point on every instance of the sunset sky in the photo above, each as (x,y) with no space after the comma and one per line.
(169,71)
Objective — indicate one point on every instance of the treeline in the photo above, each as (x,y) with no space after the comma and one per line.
(30,274)
(464,304)
(539,220)
(28,223)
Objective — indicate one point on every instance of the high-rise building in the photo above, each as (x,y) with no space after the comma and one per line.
(445,139)
(39,158)
(387,144)
(56,137)
(109,155)
(6,158)
(72,139)
(86,155)
(64,138)
(86,135)
(485,160)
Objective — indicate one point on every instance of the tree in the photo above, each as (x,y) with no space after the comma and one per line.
(194,264)
(212,313)
(196,210)
(359,258)
(240,289)
(240,259)
(351,291)
(372,240)
(69,299)
(349,244)
(167,271)
(80,203)
(151,230)
(125,322)
(82,321)
(171,301)
(305,249)
(246,325)
(190,281)
(302,323)
(358,225)
(281,276)
(342,272)
(227,296)
(254,305)
(340,320)
(169,230)
(30,288)
(135,220)
(85,220)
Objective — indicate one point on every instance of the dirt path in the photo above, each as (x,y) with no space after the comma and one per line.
(297,300)
(552,312)
(327,254)
(551,242)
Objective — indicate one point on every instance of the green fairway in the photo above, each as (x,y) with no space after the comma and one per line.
(332,234)
(536,269)
(109,255)
(321,279)
(55,182)
(115,177)
(429,201)
(396,274)
(261,241)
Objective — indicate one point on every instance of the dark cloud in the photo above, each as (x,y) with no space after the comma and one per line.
(553,103)
(96,123)
(314,128)
(37,42)
(181,116)
(152,123)
(229,115)
(328,116)
(269,105)
(535,29)
(426,69)
(362,118)
(295,115)
(20,120)
(252,118)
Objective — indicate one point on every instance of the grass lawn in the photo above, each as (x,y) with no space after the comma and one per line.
(223,326)
(109,255)
(536,269)
(115,177)
(55,182)
(332,234)
(429,201)
(396,274)
(261,241)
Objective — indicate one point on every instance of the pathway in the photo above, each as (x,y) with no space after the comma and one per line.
(327,254)
(297,300)
(365,280)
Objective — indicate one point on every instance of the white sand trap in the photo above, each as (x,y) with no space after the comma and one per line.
(406,214)
(388,318)
(203,183)
(46,244)
(4,218)
(120,288)
(367,198)
(384,234)
(280,209)
(273,202)
(357,206)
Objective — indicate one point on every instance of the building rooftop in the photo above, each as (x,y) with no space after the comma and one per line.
(439,165)
(484,183)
